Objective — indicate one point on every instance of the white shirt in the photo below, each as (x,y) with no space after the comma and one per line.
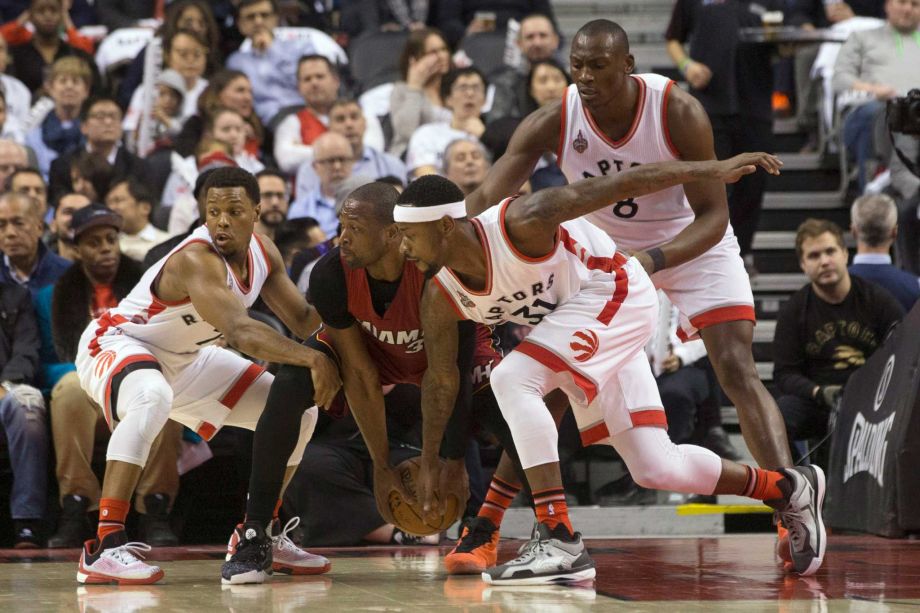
(136,246)
(428,142)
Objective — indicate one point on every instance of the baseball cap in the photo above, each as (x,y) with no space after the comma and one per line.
(92,216)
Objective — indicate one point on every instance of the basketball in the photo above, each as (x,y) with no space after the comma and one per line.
(408,516)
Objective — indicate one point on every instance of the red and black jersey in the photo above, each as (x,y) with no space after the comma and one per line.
(389,315)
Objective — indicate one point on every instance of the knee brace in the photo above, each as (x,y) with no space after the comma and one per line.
(143,406)
(307,424)
(519,384)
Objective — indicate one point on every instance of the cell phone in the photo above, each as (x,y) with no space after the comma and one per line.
(486,17)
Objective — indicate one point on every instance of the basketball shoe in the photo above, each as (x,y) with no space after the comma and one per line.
(252,559)
(476,550)
(552,556)
(290,559)
(800,511)
(287,557)
(115,560)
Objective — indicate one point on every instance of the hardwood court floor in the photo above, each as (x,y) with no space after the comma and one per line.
(706,575)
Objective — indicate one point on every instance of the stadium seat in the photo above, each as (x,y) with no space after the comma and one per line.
(375,58)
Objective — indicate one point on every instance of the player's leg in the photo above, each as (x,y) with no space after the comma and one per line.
(519,384)
(142,399)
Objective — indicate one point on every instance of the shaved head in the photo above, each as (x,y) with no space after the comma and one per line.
(606,29)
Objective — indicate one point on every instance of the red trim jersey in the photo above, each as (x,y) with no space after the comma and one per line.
(585,151)
(176,326)
(524,290)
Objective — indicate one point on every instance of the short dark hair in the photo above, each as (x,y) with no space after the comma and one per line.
(381,196)
(96,169)
(604,27)
(92,101)
(430,190)
(292,233)
(8,184)
(345,101)
(451,77)
(271,172)
(813,228)
(233,176)
(138,190)
(247,3)
(316,57)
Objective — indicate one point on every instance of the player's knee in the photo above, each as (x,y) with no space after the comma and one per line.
(505,381)
(653,475)
(735,366)
(152,398)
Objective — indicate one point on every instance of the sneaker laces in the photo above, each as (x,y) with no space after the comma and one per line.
(283,541)
(251,549)
(129,553)
(478,533)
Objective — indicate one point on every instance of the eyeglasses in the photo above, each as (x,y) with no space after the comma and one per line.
(334,161)
(101,116)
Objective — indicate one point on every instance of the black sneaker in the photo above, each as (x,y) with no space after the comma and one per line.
(73,526)
(27,533)
(716,441)
(154,524)
(252,560)
(404,538)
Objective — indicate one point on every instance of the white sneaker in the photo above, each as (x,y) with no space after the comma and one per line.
(549,557)
(290,559)
(115,560)
(800,511)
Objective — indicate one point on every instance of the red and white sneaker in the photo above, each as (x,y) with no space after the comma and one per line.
(290,559)
(115,560)
(287,557)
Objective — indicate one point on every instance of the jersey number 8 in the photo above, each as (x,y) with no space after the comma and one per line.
(626,208)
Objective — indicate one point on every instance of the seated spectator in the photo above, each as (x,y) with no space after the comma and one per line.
(270,64)
(23,417)
(229,89)
(538,42)
(464,93)
(368,16)
(59,133)
(34,48)
(274,204)
(29,182)
(347,118)
(333,162)
(17,95)
(157,252)
(133,202)
(100,279)
(167,114)
(295,235)
(100,124)
(10,126)
(466,163)
(90,176)
(13,157)
(874,224)
(60,226)
(825,331)
(318,83)
(882,63)
(194,15)
(186,52)
(417,99)
(223,143)
(461,18)
(26,260)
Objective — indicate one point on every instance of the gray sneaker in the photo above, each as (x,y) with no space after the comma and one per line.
(800,511)
(550,557)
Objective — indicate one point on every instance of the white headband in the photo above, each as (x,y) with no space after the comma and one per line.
(421,214)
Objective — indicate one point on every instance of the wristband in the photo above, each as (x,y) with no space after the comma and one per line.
(682,65)
(657,256)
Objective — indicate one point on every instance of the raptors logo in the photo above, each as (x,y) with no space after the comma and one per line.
(103,361)
(584,344)
(580,143)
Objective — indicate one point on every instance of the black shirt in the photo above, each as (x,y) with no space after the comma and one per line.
(818,343)
(742,73)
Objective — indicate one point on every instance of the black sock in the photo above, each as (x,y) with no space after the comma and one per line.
(275,438)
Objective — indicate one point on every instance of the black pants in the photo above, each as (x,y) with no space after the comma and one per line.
(683,392)
(805,420)
(736,134)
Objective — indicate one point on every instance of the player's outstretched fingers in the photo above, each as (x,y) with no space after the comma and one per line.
(429,473)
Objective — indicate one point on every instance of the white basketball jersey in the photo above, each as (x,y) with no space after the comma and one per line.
(177,326)
(521,289)
(585,151)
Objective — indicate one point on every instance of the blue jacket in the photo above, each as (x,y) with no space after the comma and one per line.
(904,286)
(49,268)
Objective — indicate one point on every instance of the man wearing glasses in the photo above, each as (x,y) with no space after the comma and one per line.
(333,161)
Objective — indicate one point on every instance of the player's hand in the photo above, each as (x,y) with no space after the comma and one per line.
(387,480)
(262,39)
(326,380)
(732,169)
(421,70)
(698,75)
(452,471)
(671,363)
(427,482)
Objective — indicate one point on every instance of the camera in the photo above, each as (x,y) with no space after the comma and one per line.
(904,113)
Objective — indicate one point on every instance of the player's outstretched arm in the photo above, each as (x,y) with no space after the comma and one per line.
(204,277)
(440,385)
(536,134)
(283,297)
(533,219)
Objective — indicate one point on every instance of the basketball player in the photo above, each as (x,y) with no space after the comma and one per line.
(610,120)
(153,357)
(592,310)
(368,296)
